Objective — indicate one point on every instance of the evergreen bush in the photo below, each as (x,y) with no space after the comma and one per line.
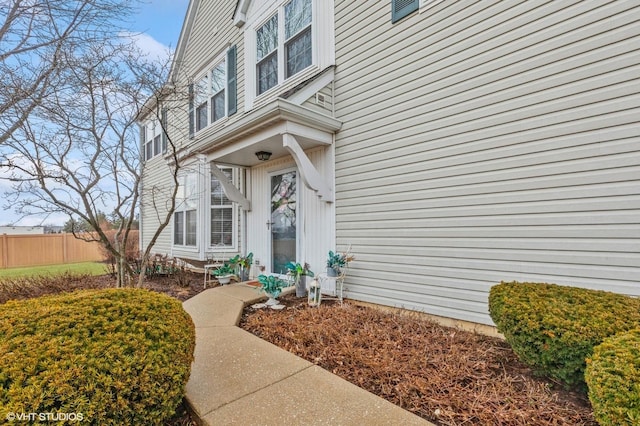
(554,328)
(613,378)
(117,356)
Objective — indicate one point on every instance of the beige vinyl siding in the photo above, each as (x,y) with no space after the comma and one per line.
(487,141)
(157,187)
(211,35)
(313,104)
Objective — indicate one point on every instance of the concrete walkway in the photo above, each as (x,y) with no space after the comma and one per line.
(238,378)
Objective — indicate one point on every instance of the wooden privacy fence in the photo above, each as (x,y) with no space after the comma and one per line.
(46,249)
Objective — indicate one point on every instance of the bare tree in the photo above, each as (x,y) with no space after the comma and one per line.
(33,35)
(78,153)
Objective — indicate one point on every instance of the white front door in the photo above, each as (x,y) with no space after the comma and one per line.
(283,222)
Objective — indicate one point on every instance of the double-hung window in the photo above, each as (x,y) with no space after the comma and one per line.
(202,102)
(153,140)
(297,30)
(214,95)
(222,213)
(209,97)
(185,218)
(284,40)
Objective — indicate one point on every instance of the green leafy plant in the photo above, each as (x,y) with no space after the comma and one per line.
(118,356)
(554,328)
(613,379)
(245,262)
(336,260)
(297,270)
(224,270)
(271,285)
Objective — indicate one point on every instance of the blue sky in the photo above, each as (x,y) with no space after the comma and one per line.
(159,22)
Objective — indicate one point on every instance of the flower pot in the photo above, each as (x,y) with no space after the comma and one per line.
(244,275)
(301,286)
(332,272)
(224,279)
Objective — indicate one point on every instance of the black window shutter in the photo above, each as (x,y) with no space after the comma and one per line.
(163,120)
(191,113)
(232,87)
(402,8)
(143,134)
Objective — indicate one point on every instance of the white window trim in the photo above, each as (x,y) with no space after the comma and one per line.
(323,45)
(221,58)
(180,207)
(153,130)
(234,215)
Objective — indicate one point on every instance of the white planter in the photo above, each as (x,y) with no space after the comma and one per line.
(224,279)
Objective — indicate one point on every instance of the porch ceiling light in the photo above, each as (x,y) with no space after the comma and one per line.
(263,155)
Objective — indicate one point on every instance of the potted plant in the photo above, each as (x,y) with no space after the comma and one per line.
(336,261)
(299,273)
(224,273)
(271,286)
(244,266)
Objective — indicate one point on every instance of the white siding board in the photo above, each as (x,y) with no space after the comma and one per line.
(487,141)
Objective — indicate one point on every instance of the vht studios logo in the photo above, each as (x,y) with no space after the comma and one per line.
(45,417)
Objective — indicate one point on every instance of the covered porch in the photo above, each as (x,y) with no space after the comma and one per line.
(285,155)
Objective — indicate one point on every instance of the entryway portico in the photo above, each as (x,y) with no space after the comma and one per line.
(281,220)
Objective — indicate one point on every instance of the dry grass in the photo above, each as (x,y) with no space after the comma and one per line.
(447,376)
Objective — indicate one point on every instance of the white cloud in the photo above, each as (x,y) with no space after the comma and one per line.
(149,45)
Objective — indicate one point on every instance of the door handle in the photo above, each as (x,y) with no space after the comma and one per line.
(269,223)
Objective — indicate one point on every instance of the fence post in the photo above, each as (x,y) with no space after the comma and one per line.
(64,248)
(5,251)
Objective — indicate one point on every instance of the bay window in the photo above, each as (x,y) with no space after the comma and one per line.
(185,218)
(223,213)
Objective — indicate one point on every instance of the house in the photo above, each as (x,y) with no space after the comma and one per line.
(451,144)
(22,230)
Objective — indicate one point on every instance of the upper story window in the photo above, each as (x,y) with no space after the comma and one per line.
(214,95)
(209,96)
(153,140)
(284,44)
(286,41)
(297,30)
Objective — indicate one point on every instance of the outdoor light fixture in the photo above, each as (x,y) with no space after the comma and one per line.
(263,155)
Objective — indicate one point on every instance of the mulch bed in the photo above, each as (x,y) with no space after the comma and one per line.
(444,375)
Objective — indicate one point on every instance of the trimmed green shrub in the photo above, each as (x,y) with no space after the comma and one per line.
(117,356)
(613,378)
(554,328)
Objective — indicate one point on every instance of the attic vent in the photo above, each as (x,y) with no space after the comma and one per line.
(320,99)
